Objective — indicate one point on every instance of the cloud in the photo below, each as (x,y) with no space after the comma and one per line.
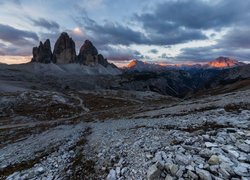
(236,38)
(203,54)
(16,2)
(116,34)
(153,51)
(195,14)
(41,22)
(16,36)
(119,53)
(111,32)
(20,41)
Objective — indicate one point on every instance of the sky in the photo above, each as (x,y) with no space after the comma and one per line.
(170,31)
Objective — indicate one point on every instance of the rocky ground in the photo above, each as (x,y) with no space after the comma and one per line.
(123,135)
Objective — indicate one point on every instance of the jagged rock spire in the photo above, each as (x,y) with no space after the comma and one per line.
(64,50)
(42,53)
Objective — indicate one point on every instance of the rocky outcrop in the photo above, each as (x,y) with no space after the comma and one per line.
(64,50)
(42,53)
(224,62)
(102,61)
(88,54)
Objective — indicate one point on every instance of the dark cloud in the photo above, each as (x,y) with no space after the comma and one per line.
(235,43)
(41,22)
(195,14)
(153,51)
(21,41)
(164,56)
(16,36)
(120,53)
(236,38)
(203,54)
(117,34)
(111,33)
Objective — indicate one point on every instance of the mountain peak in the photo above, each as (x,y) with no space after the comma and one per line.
(224,62)
(135,63)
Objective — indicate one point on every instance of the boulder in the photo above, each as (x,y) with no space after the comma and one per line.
(42,53)
(64,50)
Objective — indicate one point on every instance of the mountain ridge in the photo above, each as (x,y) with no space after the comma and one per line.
(219,63)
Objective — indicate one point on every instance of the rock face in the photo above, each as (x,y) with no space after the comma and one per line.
(64,50)
(102,61)
(42,53)
(224,62)
(88,54)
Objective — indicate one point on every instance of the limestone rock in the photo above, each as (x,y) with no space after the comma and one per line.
(88,54)
(112,175)
(102,61)
(64,50)
(42,53)
(214,160)
(203,174)
(153,172)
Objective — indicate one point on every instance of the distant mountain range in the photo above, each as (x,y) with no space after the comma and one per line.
(218,63)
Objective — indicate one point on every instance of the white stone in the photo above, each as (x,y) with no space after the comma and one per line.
(124,170)
(118,171)
(192,175)
(112,175)
(209,145)
(149,156)
(179,173)
(153,172)
(247,142)
(225,160)
(182,159)
(244,147)
(203,174)
(168,177)
(240,170)
(224,172)
(173,169)
(189,167)
(234,153)
(40,170)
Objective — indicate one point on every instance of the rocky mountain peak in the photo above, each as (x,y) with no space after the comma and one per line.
(88,48)
(88,54)
(64,50)
(224,62)
(135,63)
(42,53)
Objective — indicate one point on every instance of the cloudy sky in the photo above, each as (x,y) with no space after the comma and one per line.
(172,31)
